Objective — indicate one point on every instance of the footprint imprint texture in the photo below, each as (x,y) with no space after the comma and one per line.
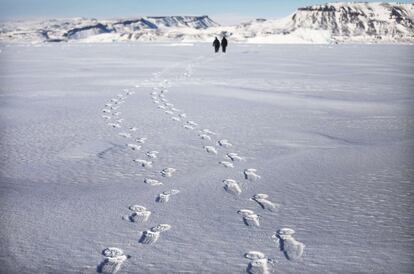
(141,140)
(152,182)
(225,143)
(152,235)
(124,134)
(210,149)
(140,214)
(152,154)
(226,164)
(164,197)
(232,187)
(234,157)
(291,248)
(113,261)
(262,200)
(134,147)
(168,172)
(259,263)
(250,174)
(249,217)
(143,163)
(205,137)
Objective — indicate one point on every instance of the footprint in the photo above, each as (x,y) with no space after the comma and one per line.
(152,154)
(134,147)
(177,119)
(106,110)
(210,149)
(192,123)
(116,113)
(114,100)
(259,263)
(141,140)
(161,107)
(106,117)
(182,115)
(161,95)
(124,134)
(131,92)
(249,217)
(250,174)
(108,105)
(234,157)
(140,214)
(114,125)
(113,261)
(152,182)
(169,104)
(261,199)
(225,143)
(133,129)
(114,107)
(188,127)
(164,91)
(152,235)
(156,102)
(120,120)
(207,131)
(143,163)
(205,137)
(168,172)
(175,109)
(163,100)
(164,197)
(291,248)
(226,164)
(231,186)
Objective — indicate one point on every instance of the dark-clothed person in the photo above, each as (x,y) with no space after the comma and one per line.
(224,44)
(216,44)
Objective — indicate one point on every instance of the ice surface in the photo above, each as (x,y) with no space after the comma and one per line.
(329,130)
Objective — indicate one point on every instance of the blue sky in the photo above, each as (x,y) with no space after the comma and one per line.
(223,11)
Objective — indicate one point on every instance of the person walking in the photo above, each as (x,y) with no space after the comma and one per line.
(216,44)
(224,44)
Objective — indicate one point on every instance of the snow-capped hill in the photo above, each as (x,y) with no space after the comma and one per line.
(81,28)
(329,23)
(359,21)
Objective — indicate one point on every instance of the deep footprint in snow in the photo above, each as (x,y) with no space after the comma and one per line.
(152,154)
(124,134)
(134,147)
(234,157)
(205,137)
(210,149)
(168,172)
(152,182)
(188,127)
(113,261)
(207,131)
(232,187)
(262,200)
(259,264)
(226,164)
(182,115)
(225,143)
(152,235)
(164,197)
(114,125)
(106,110)
(106,117)
(140,214)
(192,123)
(177,119)
(291,248)
(250,174)
(249,217)
(143,163)
(141,140)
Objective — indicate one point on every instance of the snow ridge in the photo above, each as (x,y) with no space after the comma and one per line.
(328,23)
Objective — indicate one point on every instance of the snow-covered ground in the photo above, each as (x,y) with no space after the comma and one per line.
(329,130)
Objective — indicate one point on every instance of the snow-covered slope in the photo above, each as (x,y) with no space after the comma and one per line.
(329,23)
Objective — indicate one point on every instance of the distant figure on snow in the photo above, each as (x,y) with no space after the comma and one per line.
(224,44)
(216,44)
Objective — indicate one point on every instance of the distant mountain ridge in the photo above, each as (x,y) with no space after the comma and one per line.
(328,23)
